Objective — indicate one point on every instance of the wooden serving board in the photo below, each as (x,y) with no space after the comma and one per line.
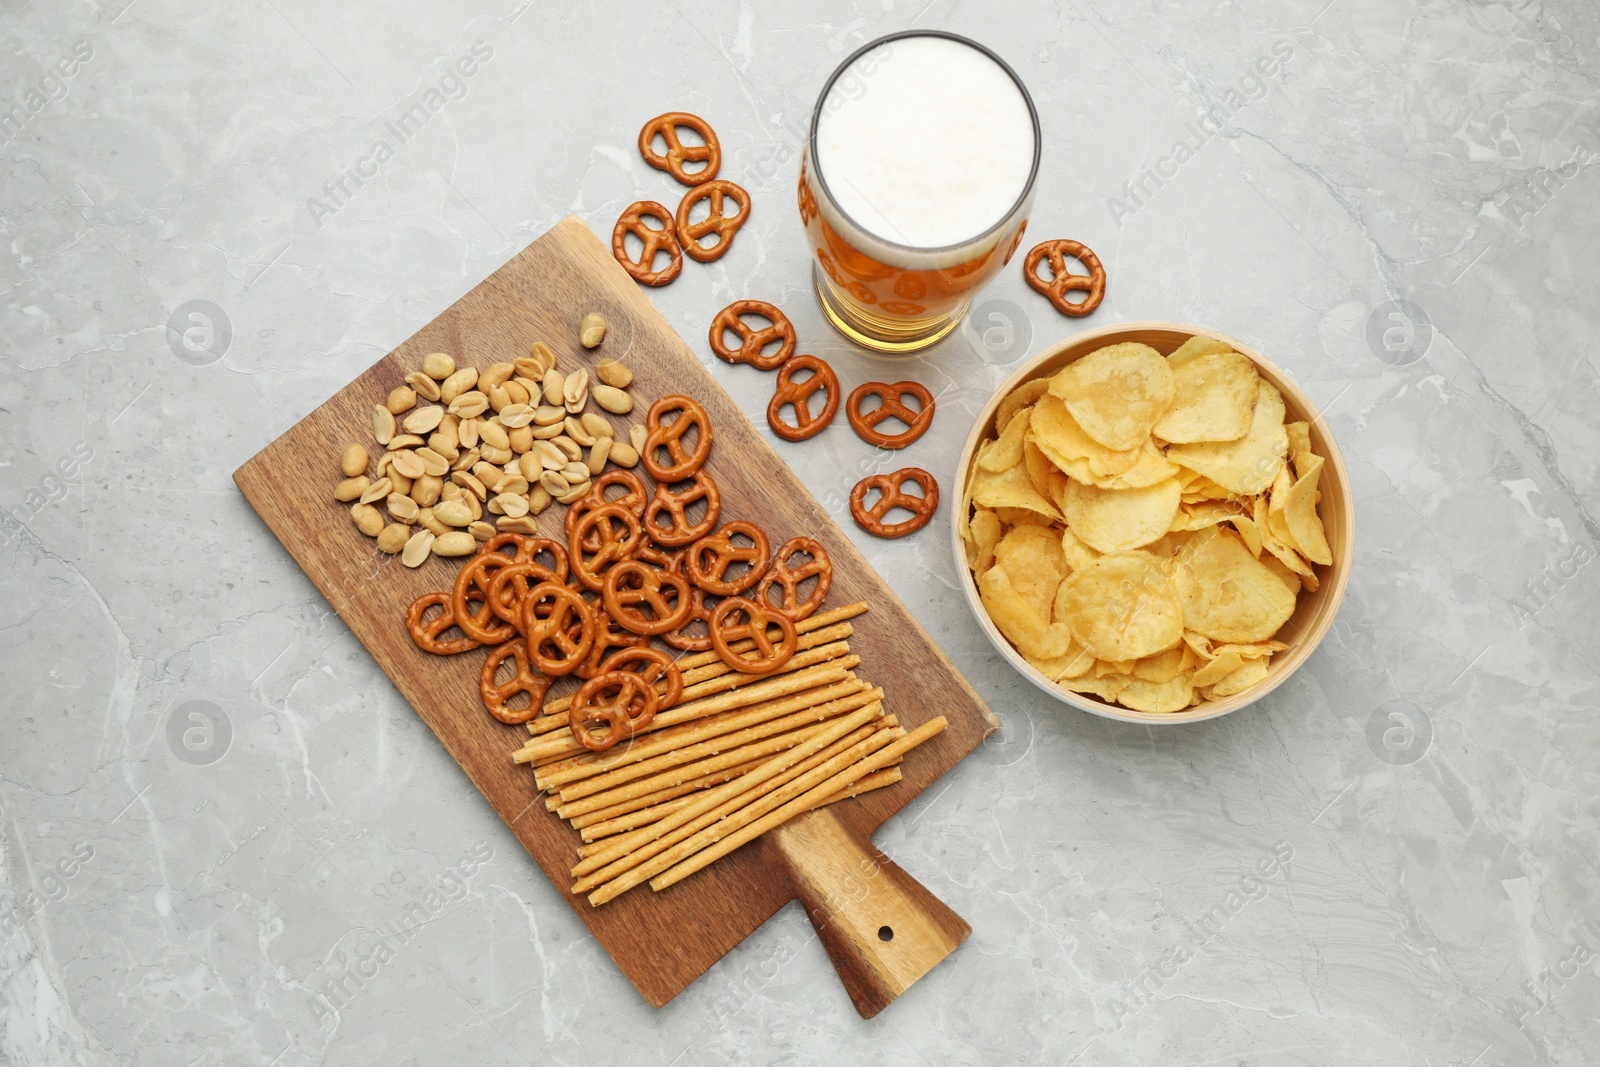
(881,928)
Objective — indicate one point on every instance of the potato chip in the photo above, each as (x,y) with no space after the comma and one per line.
(986,531)
(1075,552)
(1299,434)
(1300,515)
(1219,668)
(1023,517)
(1151,467)
(1195,347)
(1010,488)
(1208,513)
(1249,673)
(1121,606)
(1253,650)
(1115,520)
(1248,530)
(1248,465)
(1105,688)
(1046,480)
(1117,393)
(1076,663)
(1166,547)
(1214,399)
(1161,667)
(1276,498)
(1288,577)
(1226,593)
(1031,556)
(1006,450)
(1034,636)
(1112,668)
(1019,398)
(1063,440)
(1165,697)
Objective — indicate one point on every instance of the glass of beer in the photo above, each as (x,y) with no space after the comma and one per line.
(915,185)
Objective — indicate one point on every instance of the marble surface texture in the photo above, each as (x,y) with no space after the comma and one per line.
(1394,201)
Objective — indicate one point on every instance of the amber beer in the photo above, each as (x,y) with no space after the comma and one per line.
(915,185)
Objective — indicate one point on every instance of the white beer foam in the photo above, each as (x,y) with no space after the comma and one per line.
(925,142)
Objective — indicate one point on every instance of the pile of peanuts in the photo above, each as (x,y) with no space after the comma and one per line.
(460,447)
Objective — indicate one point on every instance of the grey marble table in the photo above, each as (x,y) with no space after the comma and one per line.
(1391,860)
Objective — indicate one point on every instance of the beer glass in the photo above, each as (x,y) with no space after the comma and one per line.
(915,185)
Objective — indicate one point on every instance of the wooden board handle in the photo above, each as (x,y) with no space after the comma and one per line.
(882,928)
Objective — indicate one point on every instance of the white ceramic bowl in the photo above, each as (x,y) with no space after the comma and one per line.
(1313,613)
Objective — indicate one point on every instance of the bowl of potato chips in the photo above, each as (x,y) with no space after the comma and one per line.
(1157,527)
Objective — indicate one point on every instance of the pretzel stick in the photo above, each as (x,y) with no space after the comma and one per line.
(597,833)
(732,791)
(730,679)
(704,737)
(555,772)
(769,747)
(876,780)
(722,844)
(646,862)
(596,837)
(614,850)
(822,674)
(696,669)
(694,785)
(633,850)
(731,744)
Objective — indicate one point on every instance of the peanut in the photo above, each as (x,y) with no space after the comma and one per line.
(432,462)
(575,493)
(575,472)
(514,415)
(455,543)
(495,434)
(367,519)
(576,431)
(623,455)
(509,504)
(351,488)
(382,424)
(354,461)
(424,420)
(427,520)
(404,440)
(399,483)
(402,398)
(470,483)
(550,457)
(438,365)
(538,499)
(521,439)
(469,404)
(613,373)
(552,482)
(425,490)
(636,436)
(408,464)
(575,391)
(592,330)
(392,538)
(458,383)
(480,530)
(599,454)
(613,399)
(568,447)
(554,380)
(423,386)
(496,374)
(597,425)
(377,490)
(495,455)
(452,512)
(523,524)
(402,509)
(417,548)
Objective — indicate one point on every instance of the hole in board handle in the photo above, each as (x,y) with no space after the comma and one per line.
(885,934)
